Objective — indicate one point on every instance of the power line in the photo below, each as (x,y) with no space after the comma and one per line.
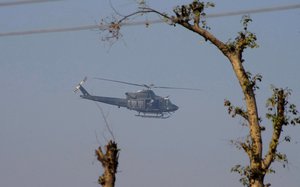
(24,2)
(53,30)
(89,27)
(256,11)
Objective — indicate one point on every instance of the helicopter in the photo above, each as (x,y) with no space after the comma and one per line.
(145,101)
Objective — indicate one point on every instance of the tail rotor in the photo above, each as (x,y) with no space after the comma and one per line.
(80,84)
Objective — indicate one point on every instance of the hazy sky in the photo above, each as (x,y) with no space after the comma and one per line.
(48,134)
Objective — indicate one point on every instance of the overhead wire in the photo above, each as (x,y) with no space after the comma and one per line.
(24,2)
(90,27)
(105,121)
(52,30)
(256,11)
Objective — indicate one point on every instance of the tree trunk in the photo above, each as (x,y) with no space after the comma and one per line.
(257,174)
(257,183)
(109,162)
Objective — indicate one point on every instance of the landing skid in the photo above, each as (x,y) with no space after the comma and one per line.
(157,116)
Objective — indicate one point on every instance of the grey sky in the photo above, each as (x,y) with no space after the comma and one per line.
(48,135)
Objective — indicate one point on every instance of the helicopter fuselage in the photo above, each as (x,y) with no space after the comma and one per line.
(144,101)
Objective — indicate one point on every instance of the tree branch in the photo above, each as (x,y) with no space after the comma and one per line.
(233,110)
(206,35)
(278,122)
(183,21)
(247,149)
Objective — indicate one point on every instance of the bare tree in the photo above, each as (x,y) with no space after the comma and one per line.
(281,112)
(109,161)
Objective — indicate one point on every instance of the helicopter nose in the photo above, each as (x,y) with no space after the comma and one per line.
(175,107)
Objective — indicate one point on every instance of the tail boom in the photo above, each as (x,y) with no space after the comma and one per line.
(107,100)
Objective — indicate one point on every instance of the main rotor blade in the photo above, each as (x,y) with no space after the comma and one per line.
(122,82)
(148,86)
(177,88)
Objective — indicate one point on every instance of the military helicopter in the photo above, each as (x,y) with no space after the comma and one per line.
(145,101)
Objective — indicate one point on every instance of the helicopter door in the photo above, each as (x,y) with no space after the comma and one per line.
(148,103)
(132,104)
(141,104)
(136,104)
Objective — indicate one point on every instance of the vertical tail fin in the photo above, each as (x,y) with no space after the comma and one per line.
(79,87)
